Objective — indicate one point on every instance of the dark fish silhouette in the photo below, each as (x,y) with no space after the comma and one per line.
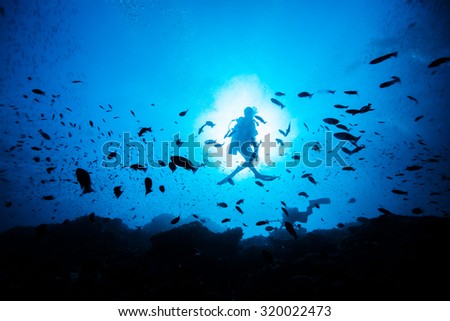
(280,93)
(340,106)
(288,130)
(222,204)
(260,119)
(183,113)
(144,130)
(208,123)
(183,162)
(84,179)
(240,201)
(172,167)
(303,194)
(312,180)
(348,168)
(44,135)
(351,200)
(279,141)
(259,183)
(137,167)
(347,136)
(48,197)
(132,113)
(277,102)
(343,127)
(148,185)
(239,209)
(413,99)
(175,220)
(417,211)
(385,211)
(383,58)
(290,229)
(91,123)
(38,92)
(331,121)
(340,225)
(386,84)
(413,168)
(259,223)
(399,192)
(162,189)
(418,118)
(438,62)
(117,191)
(225,220)
(76,81)
(305,94)
(285,211)
(351,92)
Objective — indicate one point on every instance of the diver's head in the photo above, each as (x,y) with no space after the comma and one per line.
(250,112)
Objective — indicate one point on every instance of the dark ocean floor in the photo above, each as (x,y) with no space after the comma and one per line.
(94,258)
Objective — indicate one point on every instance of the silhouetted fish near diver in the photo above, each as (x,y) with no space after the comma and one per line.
(183,113)
(351,92)
(208,123)
(84,179)
(413,99)
(280,93)
(438,62)
(175,220)
(138,167)
(44,135)
(290,229)
(183,162)
(331,121)
(260,119)
(38,92)
(386,84)
(277,102)
(383,58)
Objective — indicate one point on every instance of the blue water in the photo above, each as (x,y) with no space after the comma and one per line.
(213,59)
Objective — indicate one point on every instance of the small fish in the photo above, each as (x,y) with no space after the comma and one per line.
(38,92)
(226,220)
(351,92)
(346,136)
(306,126)
(132,113)
(340,225)
(112,155)
(76,81)
(148,183)
(210,142)
(183,162)
(418,118)
(305,94)
(277,102)
(172,167)
(386,84)
(117,191)
(279,141)
(399,192)
(438,62)
(417,211)
(351,200)
(137,167)
(348,168)
(269,228)
(296,157)
(222,204)
(195,216)
(84,179)
(413,99)
(343,127)
(239,209)
(285,211)
(162,189)
(303,194)
(48,197)
(260,119)
(340,106)
(413,168)
(290,229)
(312,180)
(260,223)
(183,113)
(210,124)
(175,220)
(383,58)
(44,135)
(91,123)
(331,121)
(284,204)
(288,130)
(144,130)
(259,183)
(385,211)
(240,201)
(280,93)
(353,112)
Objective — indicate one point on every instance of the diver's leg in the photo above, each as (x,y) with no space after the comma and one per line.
(229,178)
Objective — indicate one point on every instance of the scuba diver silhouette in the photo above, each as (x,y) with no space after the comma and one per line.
(243,140)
